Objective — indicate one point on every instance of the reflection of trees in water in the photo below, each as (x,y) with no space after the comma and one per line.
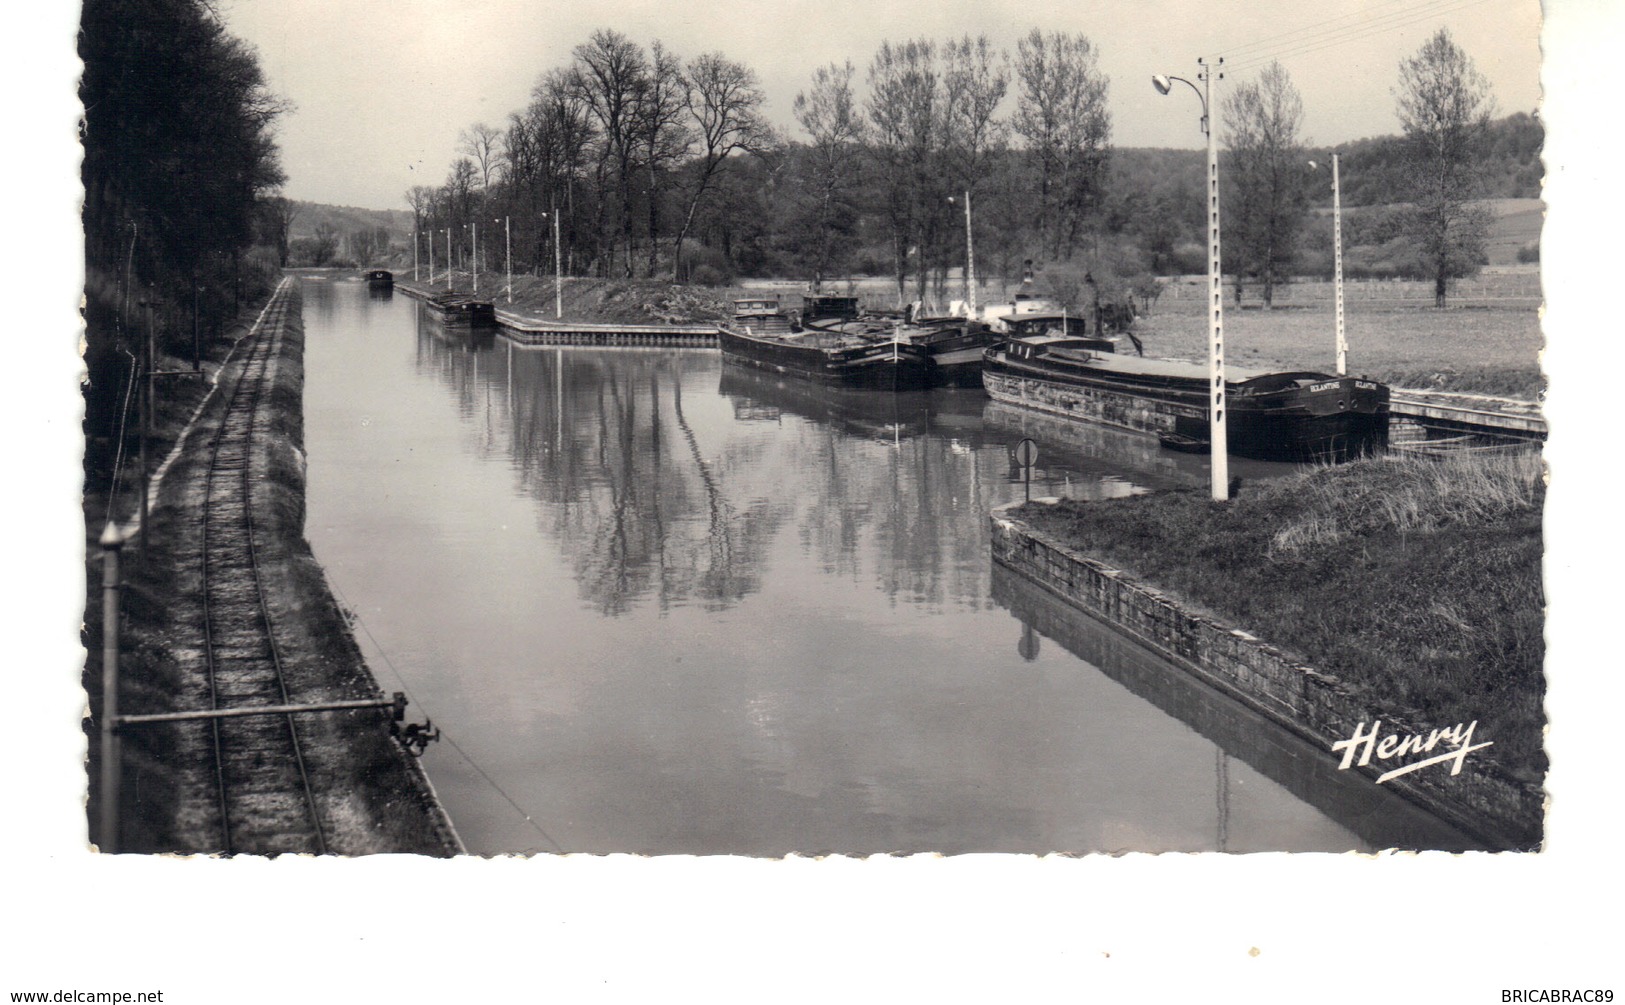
(896,495)
(637,511)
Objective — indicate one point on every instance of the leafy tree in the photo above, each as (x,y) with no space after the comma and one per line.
(1267,203)
(1445,106)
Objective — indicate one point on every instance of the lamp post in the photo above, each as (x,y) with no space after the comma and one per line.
(970,262)
(507,252)
(1337,267)
(558,267)
(474,252)
(448,259)
(1217,434)
(414,255)
(430,243)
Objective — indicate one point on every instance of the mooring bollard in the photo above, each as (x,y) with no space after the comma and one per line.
(112,543)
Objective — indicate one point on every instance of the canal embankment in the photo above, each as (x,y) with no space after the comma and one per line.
(1404,590)
(372,794)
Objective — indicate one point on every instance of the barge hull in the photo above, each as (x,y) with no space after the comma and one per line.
(1265,434)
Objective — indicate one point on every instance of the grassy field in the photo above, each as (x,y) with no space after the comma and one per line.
(1419,580)
(1478,347)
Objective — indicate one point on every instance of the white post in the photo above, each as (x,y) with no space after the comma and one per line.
(1337,269)
(507,244)
(448,258)
(108,831)
(970,262)
(430,242)
(414,255)
(474,253)
(558,270)
(1219,444)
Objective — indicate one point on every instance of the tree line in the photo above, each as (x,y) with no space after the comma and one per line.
(647,165)
(180,172)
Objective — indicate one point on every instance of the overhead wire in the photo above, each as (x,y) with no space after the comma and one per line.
(443,734)
(1334,32)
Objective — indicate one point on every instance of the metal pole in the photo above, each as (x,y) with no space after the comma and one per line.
(430,242)
(507,252)
(448,259)
(107,831)
(1337,260)
(558,270)
(474,253)
(970,261)
(414,255)
(1217,430)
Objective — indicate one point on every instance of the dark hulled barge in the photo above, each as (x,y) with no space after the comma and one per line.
(763,336)
(456,310)
(1291,416)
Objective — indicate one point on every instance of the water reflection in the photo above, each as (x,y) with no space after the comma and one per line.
(673,606)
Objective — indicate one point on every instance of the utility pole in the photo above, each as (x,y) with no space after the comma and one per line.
(1337,267)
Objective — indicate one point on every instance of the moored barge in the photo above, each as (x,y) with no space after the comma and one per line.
(380,279)
(1295,415)
(762,336)
(456,310)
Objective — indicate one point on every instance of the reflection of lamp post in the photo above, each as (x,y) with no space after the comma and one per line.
(970,262)
(1337,266)
(1218,440)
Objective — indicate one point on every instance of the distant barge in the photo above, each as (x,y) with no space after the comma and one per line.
(1290,416)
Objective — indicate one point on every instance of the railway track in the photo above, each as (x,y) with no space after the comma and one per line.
(266,801)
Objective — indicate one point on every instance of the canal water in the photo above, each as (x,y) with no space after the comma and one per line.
(660,604)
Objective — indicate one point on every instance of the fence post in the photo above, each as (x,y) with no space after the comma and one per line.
(112,543)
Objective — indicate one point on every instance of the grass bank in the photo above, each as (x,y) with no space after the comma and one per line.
(1417,579)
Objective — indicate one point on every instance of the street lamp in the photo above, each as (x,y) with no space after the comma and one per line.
(430,243)
(474,252)
(558,267)
(448,259)
(507,252)
(1217,435)
(1337,266)
(970,262)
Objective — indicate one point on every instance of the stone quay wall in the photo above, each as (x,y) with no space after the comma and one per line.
(1484,800)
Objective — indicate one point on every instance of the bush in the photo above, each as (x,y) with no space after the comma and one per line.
(1529,253)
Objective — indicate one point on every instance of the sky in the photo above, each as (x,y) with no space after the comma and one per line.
(381,90)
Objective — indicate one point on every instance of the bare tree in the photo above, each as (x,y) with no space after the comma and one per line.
(1265,175)
(660,129)
(610,75)
(828,113)
(280,212)
(1061,112)
(1445,106)
(482,145)
(725,103)
(975,80)
(905,110)
(327,243)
